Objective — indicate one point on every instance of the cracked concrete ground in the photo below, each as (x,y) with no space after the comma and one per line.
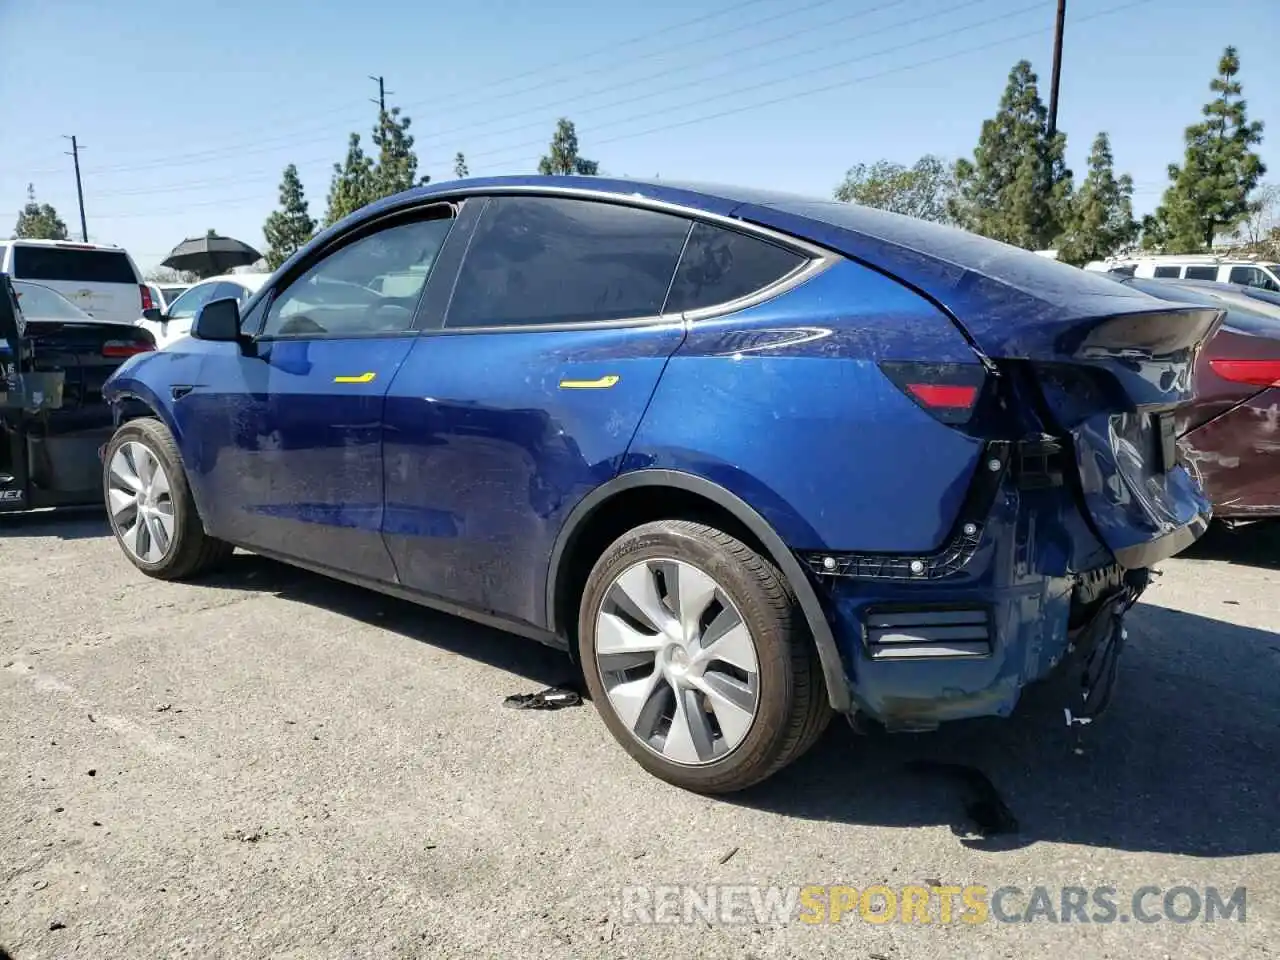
(269,764)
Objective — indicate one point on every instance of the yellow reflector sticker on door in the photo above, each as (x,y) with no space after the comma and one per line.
(602,384)
(359,378)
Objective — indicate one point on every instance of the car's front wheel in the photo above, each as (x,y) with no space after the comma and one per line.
(149,503)
(697,659)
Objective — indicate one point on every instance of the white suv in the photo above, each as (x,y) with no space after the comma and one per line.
(101,280)
(1249,273)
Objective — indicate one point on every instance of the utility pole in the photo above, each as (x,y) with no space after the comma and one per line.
(75,155)
(1057,67)
(382,95)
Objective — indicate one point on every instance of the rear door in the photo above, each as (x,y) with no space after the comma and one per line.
(101,282)
(527,394)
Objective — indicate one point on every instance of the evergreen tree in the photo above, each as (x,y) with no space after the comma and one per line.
(288,228)
(1101,221)
(38,221)
(397,165)
(923,190)
(460,166)
(352,185)
(1209,193)
(1017,188)
(563,158)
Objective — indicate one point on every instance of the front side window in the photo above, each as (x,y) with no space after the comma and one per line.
(185,307)
(1202,273)
(542,260)
(721,265)
(369,286)
(1167,271)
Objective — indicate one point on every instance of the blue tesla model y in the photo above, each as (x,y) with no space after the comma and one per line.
(752,459)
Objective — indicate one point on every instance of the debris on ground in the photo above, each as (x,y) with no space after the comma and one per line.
(552,698)
(728,855)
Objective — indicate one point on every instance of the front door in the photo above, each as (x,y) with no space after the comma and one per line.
(294,463)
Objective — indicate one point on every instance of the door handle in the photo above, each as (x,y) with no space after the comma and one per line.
(366,377)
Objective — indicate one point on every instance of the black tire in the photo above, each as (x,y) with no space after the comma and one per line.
(192,551)
(792,710)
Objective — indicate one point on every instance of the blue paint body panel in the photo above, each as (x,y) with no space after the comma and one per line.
(454,472)
(486,453)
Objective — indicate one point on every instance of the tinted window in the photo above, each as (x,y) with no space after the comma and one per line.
(547,260)
(1252,277)
(369,286)
(1125,271)
(65,263)
(1168,271)
(1202,273)
(186,305)
(721,265)
(41,303)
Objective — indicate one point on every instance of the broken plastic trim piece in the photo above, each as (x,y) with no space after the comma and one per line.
(552,698)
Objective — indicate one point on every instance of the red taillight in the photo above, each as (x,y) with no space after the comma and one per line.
(949,391)
(147,302)
(124,348)
(944,395)
(1259,373)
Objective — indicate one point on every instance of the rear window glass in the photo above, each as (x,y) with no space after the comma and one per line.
(77,266)
(1202,273)
(722,265)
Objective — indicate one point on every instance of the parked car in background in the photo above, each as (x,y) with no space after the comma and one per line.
(172,291)
(163,294)
(54,359)
(1251,273)
(174,321)
(1231,436)
(101,280)
(750,457)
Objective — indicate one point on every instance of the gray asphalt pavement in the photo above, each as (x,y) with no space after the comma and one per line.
(270,764)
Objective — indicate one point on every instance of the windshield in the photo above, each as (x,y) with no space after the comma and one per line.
(40,303)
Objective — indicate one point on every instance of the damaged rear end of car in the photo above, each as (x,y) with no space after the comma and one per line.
(1072,394)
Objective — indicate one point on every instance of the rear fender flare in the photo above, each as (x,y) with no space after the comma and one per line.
(833,671)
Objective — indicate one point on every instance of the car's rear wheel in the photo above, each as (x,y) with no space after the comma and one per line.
(149,503)
(697,659)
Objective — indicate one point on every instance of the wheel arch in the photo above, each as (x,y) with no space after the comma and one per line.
(578,546)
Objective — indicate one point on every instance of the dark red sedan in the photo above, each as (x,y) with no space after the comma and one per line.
(1231,437)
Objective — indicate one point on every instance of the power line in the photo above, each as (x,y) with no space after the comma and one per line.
(650,93)
(235,149)
(809,91)
(848,61)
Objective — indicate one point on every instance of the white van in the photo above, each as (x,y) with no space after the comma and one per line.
(101,280)
(1250,273)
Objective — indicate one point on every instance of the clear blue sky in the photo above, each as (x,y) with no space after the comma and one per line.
(189,112)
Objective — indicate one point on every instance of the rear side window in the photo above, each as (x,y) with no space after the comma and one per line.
(1253,277)
(541,260)
(1202,273)
(721,265)
(1167,271)
(76,266)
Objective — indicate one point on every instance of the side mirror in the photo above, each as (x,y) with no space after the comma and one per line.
(152,314)
(218,320)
